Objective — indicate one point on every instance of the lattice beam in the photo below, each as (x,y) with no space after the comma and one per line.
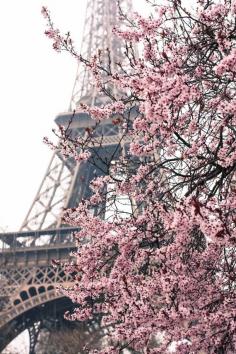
(101,17)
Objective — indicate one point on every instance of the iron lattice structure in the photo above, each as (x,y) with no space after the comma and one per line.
(57,186)
(28,297)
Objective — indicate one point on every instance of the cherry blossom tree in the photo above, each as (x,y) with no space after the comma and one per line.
(162,269)
(69,340)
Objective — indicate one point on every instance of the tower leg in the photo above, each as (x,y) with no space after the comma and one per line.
(33,335)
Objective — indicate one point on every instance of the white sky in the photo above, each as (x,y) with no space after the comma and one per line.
(35,85)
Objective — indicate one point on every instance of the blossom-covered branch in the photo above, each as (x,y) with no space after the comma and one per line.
(161,269)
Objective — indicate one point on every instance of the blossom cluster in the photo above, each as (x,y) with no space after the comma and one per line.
(163,275)
(104,112)
(227,63)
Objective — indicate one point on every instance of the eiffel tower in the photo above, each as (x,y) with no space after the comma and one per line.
(28,283)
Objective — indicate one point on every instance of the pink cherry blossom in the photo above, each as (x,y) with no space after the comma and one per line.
(160,270)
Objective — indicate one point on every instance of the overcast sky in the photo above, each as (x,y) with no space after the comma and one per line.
(35,84)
